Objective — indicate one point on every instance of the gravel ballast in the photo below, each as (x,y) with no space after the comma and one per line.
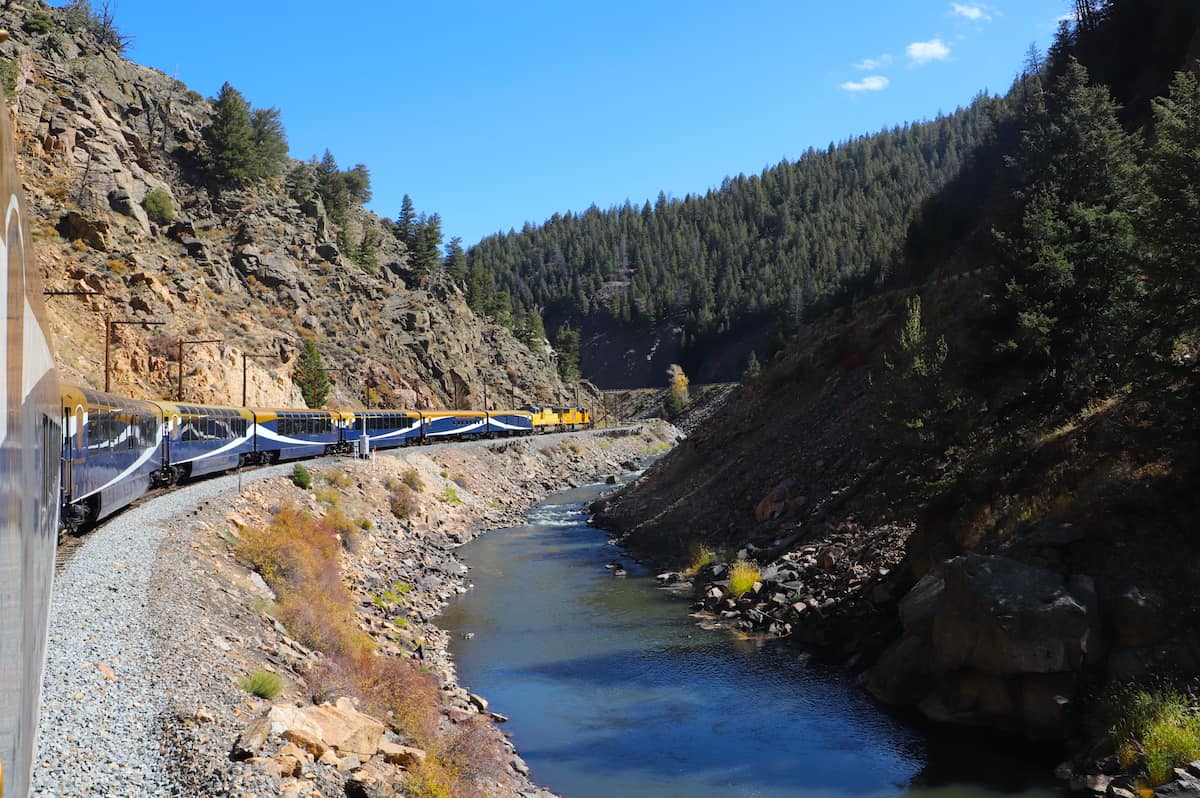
(106,694)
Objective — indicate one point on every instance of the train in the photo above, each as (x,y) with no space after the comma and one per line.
(71,455)
(116,449)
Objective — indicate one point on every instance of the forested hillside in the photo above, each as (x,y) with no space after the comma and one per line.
(764,250)
(981,486)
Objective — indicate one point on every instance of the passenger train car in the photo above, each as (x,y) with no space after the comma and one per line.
(31,446)
(116,449)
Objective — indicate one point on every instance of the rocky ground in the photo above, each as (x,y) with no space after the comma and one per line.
(208,623)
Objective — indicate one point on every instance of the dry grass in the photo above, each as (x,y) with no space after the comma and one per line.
(403,501)
(413,480)
(299,557)
(338,479)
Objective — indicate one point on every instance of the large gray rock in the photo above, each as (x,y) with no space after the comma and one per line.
(989,641)
(1004,617)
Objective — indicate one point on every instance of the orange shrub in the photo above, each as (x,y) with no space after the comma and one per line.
(298,555)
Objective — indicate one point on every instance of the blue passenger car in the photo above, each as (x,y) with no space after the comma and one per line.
(386,429)
(452,424)
(112,453)
(206,440)
(510,422)
(292,434)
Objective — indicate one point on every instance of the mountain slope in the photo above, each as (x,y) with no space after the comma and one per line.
(252,267)
(715,276)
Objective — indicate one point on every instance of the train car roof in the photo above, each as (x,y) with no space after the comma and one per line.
(190,408)
(442,413)
(73,395)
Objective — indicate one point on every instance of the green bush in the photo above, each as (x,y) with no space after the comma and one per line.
(38,22)
(263,684)
(159,207)
(1153,727)
(450,495)
(300,477)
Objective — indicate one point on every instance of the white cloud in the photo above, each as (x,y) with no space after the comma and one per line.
(973,13)
(869,83)
(871,64)
(924,52)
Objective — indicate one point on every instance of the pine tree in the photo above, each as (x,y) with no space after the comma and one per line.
(1067,262)
(566,345)
(1171,223)
(456,260)
(310,375)
(230,159)
(406,220)
(427,238)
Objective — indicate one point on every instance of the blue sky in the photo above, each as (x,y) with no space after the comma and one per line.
(494,114)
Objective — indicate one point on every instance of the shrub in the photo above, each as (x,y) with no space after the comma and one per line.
(301,477)
(403,502)
(159,207)
(328,496)
(38,22)
(1155,727)
(450,495)
(365,524)
(263,684)
(341,523)
(742,577)
(299,557)
(412,478)
(700,557)
(339,479)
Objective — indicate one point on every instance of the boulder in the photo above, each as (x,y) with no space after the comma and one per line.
(307,741)
(75,226)
(1181,788)
(252,739)
(1003,617)
(402,755)
(346,731)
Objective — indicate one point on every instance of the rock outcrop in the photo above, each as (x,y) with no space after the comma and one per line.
(254,268)
(992,642)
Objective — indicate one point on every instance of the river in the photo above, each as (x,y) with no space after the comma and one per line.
(613,690)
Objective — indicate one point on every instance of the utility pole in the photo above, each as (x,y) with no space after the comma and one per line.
(182,343)
(245,356)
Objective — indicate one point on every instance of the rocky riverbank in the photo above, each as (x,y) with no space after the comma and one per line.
(213,622)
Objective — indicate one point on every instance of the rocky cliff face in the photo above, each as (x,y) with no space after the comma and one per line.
(254,269)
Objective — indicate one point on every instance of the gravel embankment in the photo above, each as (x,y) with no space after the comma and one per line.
(154,624)
(105,691)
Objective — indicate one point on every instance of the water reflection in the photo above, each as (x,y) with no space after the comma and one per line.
(613,690)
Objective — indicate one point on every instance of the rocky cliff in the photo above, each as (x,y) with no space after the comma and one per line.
(254,268)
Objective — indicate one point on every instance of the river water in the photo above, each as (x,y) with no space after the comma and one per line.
(613,690)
